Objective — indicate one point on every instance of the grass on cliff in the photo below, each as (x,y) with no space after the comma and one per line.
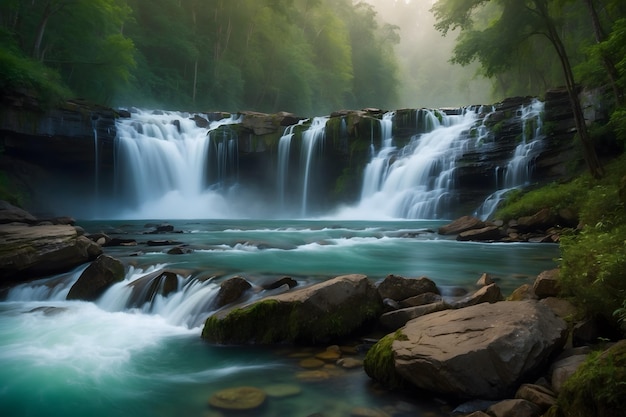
(593,259)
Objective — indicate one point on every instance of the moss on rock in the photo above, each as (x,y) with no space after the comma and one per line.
(598,387)
(379,362)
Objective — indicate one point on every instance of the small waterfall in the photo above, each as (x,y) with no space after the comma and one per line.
(416,181)
(376,170)
(312,144)
(518,171)
(284,148)
(167,166)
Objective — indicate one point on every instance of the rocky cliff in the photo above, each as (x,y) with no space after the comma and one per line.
(45,150)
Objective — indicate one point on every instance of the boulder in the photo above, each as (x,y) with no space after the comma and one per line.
(484,280)
(238,399)
(547,284)
(460,225)
(484,351)
(230,291)
(319,313)
(29,252)
(539,221)
(149,286)
(523,292)
(487,294)
(564,368)
(97,278)
(399,288)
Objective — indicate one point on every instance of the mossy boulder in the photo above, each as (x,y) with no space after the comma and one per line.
(598,387)
(319,313)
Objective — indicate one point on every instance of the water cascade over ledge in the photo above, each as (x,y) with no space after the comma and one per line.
(168,166)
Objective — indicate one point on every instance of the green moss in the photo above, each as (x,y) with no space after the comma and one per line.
(379,362)
(598,387)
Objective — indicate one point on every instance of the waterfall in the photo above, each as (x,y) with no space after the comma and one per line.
(377,168)
(284,148)
(312,144)
(416,181)
(519,169)
(167,166)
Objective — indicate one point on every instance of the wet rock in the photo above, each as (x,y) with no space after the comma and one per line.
(238,399)
(311,363)
(282,390)
(272,285)
(149,286)
(230,291)
(350,363)
(97,278)
(179,250)
(163,243)
(313,376)
(367,412)
(399,288)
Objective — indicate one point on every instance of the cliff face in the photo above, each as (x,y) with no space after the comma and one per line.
(71,149)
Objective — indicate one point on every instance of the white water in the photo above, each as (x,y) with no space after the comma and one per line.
(167,167)
(312,143)
(416,182)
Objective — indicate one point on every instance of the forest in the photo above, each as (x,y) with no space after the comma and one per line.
(305,56)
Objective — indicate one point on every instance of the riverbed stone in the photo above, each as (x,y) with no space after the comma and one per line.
(230,291)
(97,278)
(487,294)
(319,313)
(487,233)
(420,300)
(393,320)
(238,399)
(539,395)
(482,351)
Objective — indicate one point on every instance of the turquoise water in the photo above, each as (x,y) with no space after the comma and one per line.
(71,358)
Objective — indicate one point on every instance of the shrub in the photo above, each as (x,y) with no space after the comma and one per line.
(598,387)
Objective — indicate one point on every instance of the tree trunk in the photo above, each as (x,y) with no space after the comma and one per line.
(589,151)
(608,64)
(41,29)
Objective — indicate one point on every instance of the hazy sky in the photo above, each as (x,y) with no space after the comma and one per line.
(427,78)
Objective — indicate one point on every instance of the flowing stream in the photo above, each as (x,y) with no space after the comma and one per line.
(127,356)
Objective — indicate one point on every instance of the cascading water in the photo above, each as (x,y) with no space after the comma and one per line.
(416,181)
(284,148)
(518,171)
(312,143)
(167,166)
(376,169)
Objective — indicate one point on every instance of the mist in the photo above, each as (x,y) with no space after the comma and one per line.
(427,78)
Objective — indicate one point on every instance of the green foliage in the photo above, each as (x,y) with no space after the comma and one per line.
(598,387)
(18,72)
(554,196)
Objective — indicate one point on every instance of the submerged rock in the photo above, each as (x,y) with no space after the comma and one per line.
(318,313)
(238,399)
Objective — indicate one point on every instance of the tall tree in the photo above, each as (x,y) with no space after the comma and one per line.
(495,45)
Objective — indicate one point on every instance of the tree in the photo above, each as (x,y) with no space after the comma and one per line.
(495,45)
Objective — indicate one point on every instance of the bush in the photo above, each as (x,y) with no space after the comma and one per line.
(598,387)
